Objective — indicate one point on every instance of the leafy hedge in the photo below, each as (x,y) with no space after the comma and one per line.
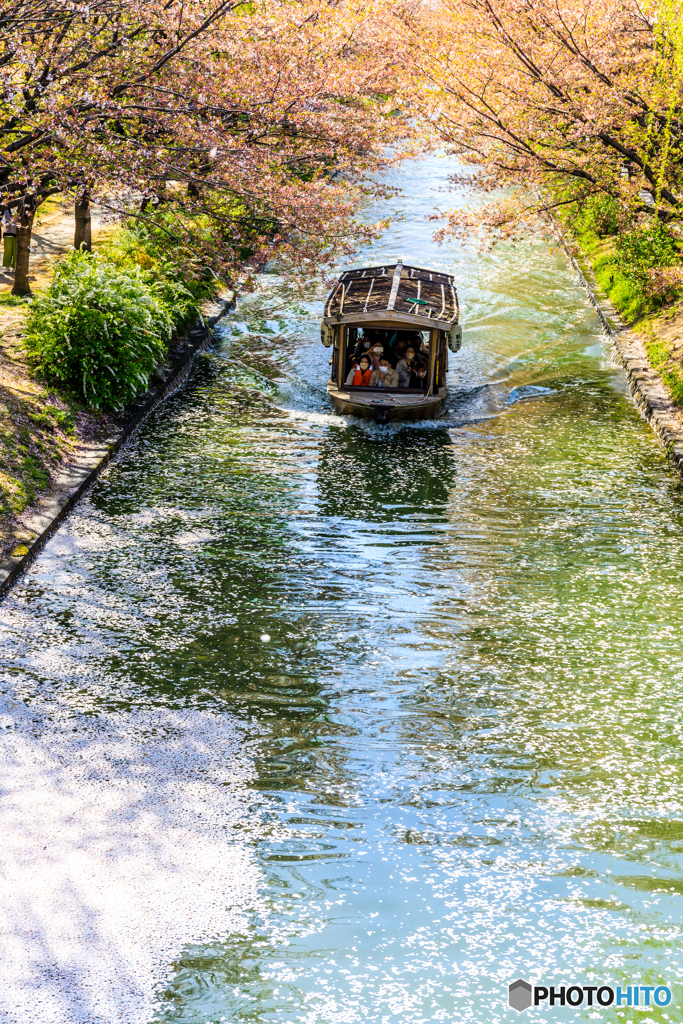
(104,322)
(99,330)
(182,280)
(638,266)
(639,252)
(599,214)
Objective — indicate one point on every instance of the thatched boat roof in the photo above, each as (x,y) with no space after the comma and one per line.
(393,294)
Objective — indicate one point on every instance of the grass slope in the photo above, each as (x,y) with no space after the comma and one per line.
(39,429)
(659,325)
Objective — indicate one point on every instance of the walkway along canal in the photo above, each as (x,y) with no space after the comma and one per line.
(455,762)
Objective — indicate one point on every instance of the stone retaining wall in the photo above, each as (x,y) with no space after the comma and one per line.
(91,459)
(649,392)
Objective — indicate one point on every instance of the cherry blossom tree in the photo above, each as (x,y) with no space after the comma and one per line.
(257,122)
(571,99)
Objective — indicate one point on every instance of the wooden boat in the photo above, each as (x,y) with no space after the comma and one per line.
(384,303)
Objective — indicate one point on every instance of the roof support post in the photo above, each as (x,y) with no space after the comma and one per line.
(433,338)
(341,354)
(394,286)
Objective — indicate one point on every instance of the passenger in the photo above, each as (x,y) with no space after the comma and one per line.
(376,354)
(413,338)
(418,378)
(384,376)
(363,344)
(359,375)
(404,367)
(396,352)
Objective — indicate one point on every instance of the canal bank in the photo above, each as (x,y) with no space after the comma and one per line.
(650,394)
(87,458)
(455,762)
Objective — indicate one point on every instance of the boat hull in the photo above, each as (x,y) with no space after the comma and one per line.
(386,409)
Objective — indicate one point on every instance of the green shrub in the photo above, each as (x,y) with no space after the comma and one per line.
(99,330)
(182,278)
(643,250)
(41,420)
(668,368)
(600,215)
(627,299)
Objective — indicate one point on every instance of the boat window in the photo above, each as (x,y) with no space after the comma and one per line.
(393,343)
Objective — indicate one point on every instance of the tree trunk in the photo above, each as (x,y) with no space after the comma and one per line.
(24,229)
(82,236)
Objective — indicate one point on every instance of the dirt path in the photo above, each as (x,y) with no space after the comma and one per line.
(52,235)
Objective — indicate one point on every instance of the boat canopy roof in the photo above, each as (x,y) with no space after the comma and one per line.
(393,294)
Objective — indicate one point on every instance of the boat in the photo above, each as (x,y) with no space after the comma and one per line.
(387,303)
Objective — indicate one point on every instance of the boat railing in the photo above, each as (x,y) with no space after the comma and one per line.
(390,391)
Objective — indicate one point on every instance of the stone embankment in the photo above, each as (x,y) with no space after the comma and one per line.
(648,390)
(89,459)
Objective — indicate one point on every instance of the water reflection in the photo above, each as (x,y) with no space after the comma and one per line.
(385,476)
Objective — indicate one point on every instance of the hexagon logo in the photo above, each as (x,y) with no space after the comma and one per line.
(519,995)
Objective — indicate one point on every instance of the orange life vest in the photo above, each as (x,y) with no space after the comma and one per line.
(362,379)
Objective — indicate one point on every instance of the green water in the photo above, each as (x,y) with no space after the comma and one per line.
(465,730)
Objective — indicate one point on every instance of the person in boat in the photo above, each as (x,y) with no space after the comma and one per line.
(397,352)
(384,376)
(413,338)
(363,344)
(418,378)
(359,375)
(404,367)
(376,355)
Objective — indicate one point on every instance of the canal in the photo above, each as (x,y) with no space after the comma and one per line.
(319,721)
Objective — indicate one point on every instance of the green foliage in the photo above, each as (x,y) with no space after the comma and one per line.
(181,279)
(51,416)
(599,215)
(7,299)
(98,330)
(627,297)
(103,323)
(41,420)
(669,368)
(36,476)
(640,251)
(62,418)
(625,266)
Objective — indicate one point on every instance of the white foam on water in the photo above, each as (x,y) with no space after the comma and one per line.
(118,850)
(369,426)
(318,418)
(527,391)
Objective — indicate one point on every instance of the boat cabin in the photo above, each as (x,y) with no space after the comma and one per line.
(391,306)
